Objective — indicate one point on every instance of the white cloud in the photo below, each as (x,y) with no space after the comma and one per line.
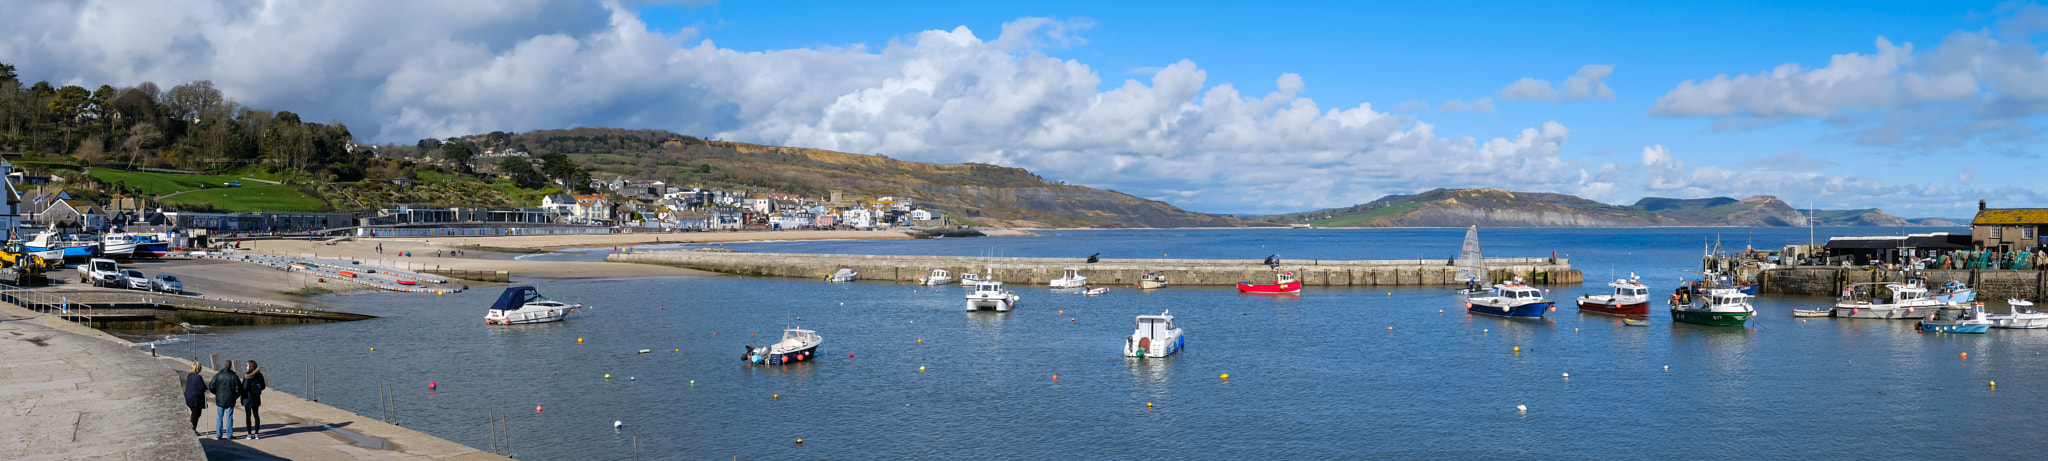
(1589,82)
(1483,105)
(1985,87)
(1969,174)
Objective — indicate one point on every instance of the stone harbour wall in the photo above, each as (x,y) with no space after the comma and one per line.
(1991,285)
(1541,271)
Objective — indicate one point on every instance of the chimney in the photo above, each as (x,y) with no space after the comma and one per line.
(1980,204)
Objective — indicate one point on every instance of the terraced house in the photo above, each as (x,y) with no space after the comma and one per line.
(2009,229)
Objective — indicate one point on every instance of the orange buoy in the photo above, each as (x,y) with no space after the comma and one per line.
(536,408)
(1966,356)
(1055,376)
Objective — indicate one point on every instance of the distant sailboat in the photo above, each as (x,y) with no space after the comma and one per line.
(1472,266)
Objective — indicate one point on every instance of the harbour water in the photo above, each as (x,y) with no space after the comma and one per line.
(1319,375)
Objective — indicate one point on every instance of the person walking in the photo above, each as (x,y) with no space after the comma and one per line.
(195,395)
(226,386)
(252,397)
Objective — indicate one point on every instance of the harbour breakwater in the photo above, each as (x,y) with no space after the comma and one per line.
(1991,285)
(1408,272)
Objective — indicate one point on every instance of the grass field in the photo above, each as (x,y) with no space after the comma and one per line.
(1362,218)
(156,184)
(262,197)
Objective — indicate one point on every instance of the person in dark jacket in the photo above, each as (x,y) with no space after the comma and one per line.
(226,386)
(195,394)
(252,396)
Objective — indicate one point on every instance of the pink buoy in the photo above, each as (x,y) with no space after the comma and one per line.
(432,385)
(536,408)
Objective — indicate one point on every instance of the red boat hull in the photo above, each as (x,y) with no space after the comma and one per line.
(1289,287)
(1642,308)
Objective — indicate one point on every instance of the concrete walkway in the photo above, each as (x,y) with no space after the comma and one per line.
(66,392)
(71,392)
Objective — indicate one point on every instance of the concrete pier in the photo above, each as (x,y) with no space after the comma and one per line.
(1037,271)
(1991,285)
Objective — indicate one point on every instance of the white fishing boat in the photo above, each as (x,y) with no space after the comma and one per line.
(797,345)
(989,295)
(1152,280)
(938,277)
(117,245)
(1156,336)
(1096,291)
(844,275)
(523,304)
(1908,301)
(1472,266)
(2022,316)
(969,279)
(1072,279)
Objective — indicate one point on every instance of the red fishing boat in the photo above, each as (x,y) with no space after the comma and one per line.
(1630,298)
(1284,283)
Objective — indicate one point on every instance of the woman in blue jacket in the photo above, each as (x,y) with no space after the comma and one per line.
(195,394)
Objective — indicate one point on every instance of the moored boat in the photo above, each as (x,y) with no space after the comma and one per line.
(1096,291)
(1718,307)
(1472,266)
(1970,321)
(1071,279)
(1907,301)
(1953,292)
(2022,316)
(989,295)
(844,275)
(1156,336)
(797,345)
(969,279)
(1152,280)
(1630,297)
(938,277)
(1283,282)
(1511,299)
(523,305)
(1830,312)
(49,240)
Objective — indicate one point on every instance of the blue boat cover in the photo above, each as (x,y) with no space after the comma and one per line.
(515,297)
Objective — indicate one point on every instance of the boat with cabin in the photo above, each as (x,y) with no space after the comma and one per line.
(1955,291)
(1511,299)
(2022,316)
(989,295)
(969,279)
(844,275)
(1715,306)
(1152,281)
(1156,336)
(938,277)
(50,240)
(1969,321)
(1630,297)
(523,304)
(151,245)
(1097,291)
(1071,279)
(797,345)
(1908,301)
(1472,266)
(1283,282)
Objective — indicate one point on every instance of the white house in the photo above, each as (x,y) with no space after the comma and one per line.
(563,205)
(857,218)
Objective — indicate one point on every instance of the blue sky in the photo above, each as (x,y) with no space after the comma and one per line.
(1235,107)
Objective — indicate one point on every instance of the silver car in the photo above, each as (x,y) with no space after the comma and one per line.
(166,283)
(135,279)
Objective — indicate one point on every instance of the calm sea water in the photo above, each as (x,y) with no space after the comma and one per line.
(1314,376)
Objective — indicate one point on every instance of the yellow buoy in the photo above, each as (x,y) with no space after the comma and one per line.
(1482,330)
(373,349)
(920,340)
(1994,384)
(607,376)
(777,397)
(1148,404)
(1390,293)
(799,441)
(1518,349)
(920,368)
(579,340)
(1226,376)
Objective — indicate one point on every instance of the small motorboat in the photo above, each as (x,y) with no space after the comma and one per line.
(1908,301)
(989,295)
(523,304)
(1151,281)
(407,282)
(1970,321)
(2023,315)
(1952,292)
(968,279)
(797,345)
(1095,291)
(1813,312)
(1512,299)
(1636,322)
(1071,279)
(938,277)
(151,245)
(118,245)
(48,241)
(844,275)
(1283,282)
(1630,297)
(1156,336)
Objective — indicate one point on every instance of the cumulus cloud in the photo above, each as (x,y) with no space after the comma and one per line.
(1660,173)
(1984,87)
(1483,105)
(1589,82)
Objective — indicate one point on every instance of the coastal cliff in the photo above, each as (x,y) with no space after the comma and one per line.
(1500,208)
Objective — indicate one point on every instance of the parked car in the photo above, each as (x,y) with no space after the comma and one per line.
(134,279)
(166,283)
(234,184)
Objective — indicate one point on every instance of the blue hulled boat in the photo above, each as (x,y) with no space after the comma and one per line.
(1970,321)
(1510,300)
(47,241)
